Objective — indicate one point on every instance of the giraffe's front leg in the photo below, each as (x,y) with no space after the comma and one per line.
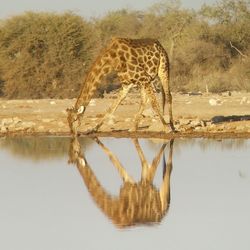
(123,93)
(144,164)
(155,163)
(123,173)
(74,120)
(143,104)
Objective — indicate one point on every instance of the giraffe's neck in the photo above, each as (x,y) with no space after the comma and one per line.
(102,198)
(100,68)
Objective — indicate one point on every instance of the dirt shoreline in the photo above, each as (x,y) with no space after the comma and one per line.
(192,115)
(125,134)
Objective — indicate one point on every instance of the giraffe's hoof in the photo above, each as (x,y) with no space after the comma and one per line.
(169,128)
(91,131)
(171,125)
(173,130)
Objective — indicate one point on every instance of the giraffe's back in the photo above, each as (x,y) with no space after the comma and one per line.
(135,60)
(139,203)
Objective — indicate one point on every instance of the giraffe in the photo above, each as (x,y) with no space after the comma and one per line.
(137,63)
(138,202)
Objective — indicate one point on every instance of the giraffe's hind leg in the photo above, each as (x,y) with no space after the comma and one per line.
(155,163)
(165,187)
(155,105)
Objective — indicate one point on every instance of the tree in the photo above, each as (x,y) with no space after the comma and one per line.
(121,23)
(45,54)
(230,22)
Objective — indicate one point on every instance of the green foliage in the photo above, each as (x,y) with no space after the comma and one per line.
(47,55)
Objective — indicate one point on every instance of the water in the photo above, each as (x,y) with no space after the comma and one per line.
(45,203)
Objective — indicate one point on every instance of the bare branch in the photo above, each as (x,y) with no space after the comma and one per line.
(179,31)
(232,46)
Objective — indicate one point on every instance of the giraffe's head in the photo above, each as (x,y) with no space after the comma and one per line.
(74,116)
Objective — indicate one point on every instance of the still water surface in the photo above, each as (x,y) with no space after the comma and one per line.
(47,204)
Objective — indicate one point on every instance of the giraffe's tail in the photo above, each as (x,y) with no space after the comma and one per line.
(164,75)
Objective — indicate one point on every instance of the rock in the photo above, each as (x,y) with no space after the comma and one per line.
(227,93)
(40,128)
(215,102)
(203,123)
(198,128)
(243,100)
(92,103)
(184,121)
(52,102)
(16,120)
(28,124)
(182,129)
(3,129)
(195,123)
(12,126)
(177,126)
(6,121)
(208,123)
(212,127)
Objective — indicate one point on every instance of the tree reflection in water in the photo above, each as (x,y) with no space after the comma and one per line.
(39,148)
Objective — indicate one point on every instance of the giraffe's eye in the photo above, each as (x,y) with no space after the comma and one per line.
(81,110)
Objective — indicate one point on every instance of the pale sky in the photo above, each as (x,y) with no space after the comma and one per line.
(93,8)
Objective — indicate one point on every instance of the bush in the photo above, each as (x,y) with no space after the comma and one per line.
(45,55)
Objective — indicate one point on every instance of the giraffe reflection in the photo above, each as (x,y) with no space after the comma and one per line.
(138,202)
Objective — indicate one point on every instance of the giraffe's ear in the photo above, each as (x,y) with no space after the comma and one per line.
(69,110)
